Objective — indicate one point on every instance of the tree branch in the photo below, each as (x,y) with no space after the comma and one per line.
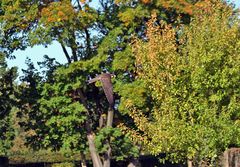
(65,52)
(88,49)
(73,46)
(79,5)
(90,135)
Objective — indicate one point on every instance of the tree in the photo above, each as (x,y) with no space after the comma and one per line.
(192,74)
(7,102)
(72,119)
(74,25)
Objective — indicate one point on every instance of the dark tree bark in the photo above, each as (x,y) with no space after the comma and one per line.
(90,135)
(65,52)
(88,43)
(74,46)
(83,160)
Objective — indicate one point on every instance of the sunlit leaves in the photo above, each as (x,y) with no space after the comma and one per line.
(18,14)
(58,12)
(157,59)
(130,15)
(27,23)
(195,84)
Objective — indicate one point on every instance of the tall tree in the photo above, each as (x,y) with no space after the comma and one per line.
(74,24)
(7,102)
(194,84)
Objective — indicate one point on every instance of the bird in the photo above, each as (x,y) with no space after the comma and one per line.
(105,79)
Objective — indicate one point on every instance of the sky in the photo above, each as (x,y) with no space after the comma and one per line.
(54,50)
(237,2)
(36,54)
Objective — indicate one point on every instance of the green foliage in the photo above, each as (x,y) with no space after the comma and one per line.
(194,85)
(130,16)
(7,101)
(55,107)
(126,58)
(120,144)
(60,117)
(28,155)
(64,164)
(132,94)
(29,23)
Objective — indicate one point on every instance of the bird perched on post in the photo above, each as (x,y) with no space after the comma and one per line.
(105,79)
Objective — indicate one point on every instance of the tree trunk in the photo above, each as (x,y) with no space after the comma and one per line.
(94,155)
(107,156)
(110,117)
(65,52)
(190,163)
(83,160)
(231,158)
(134,162)
(90,137)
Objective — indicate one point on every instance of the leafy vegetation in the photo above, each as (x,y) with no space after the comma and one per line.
(194,84)
(7,104)
(176,85)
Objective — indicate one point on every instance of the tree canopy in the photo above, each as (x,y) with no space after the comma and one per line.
(7,104)
(176,84)
(194,84)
